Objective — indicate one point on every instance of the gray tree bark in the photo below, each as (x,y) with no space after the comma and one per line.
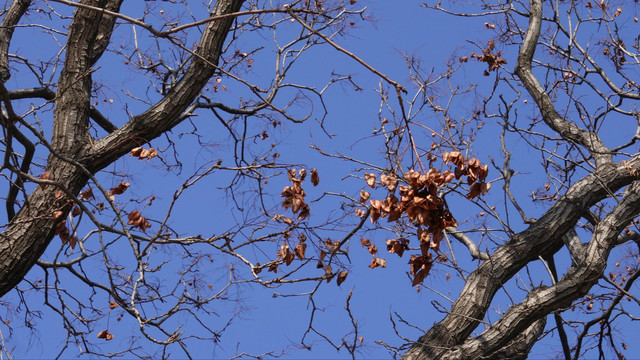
(74,155)
(515,333)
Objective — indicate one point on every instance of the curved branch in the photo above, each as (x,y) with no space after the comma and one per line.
(543,237)
(575,284)
(14,14)
(464,239)
(166,113)
(566,129)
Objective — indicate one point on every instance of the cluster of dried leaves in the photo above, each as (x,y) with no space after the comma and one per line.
(143,153)
(137,220)
(420,202)
(494,61)
(294,199)
(294,195)
(105,334)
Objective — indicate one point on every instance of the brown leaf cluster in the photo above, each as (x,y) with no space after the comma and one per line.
(397,246)
(143,153)
(45,176)
(87,194)
(420,267)
(65,235)
(494,61)
(286,255)
(294,195)
(420,202)
(119,189)
(377,262)
(105,334)
(137,220)
(475,172)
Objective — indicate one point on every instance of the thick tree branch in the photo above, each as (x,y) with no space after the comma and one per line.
(575,284)
(48,94)
(543,237)
(33,227)
(89,36)
(165,114)
(10,20)
(566,129)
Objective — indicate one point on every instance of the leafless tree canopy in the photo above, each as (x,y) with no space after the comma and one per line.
(515,154)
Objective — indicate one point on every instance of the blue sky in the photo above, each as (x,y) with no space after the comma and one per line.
(266,320)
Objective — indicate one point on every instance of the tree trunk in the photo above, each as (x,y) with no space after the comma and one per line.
(74,155)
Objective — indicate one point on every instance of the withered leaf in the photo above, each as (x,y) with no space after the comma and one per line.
(484,188)
(448,176)
(136,151)
(113,305)
(377,262)
(342,276)
(121,188)
(76,211)
(474,191)
(304,212)
(288,259)
(58,194)
(72,242)
(105,334)
(257,269)
(364,196)
(87,194)
(299,250)
(376,206)
(291,173)
(143,154)
(397,246)
(133,217)
(315,179)
(45,176)
(57,214)
(371,180)
(390,181)
(373,249)
(152,153)
(419,277)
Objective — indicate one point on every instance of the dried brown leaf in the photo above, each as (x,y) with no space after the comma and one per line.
(315,178)
(371,180)
(377,262)
(45,176)
(76,211)
(342,276)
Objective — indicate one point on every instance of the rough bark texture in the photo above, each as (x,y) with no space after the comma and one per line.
(10,20)
(75,156)
(451,337)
